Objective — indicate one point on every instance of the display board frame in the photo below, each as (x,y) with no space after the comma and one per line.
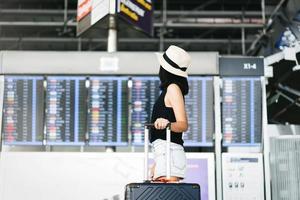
(252,80)
(34,96)
(76,141)
(192,77)
(120,132)
(45,142)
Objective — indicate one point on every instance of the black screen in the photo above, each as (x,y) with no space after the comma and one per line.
(242,111)
(199,109)
(108,111)
(200,112)
(145,91)
(23,110)
(66,110)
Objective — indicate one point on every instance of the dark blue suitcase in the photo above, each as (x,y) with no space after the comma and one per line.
(160,191)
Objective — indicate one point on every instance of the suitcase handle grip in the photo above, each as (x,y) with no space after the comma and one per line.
(151,125)
(146,150)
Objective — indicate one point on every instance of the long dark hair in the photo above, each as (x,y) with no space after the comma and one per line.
(166,78)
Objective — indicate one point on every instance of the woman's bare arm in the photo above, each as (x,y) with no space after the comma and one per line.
(175,100)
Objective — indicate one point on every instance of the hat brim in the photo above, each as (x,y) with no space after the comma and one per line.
(169,67)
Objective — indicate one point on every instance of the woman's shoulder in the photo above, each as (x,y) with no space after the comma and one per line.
(173,88)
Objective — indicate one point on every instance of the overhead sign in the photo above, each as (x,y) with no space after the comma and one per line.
(241,66)
(84,7)
(139,13)
(89,12)
(100,8)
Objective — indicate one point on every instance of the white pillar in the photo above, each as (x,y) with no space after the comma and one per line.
(112,28)
(218,138)
(266,142)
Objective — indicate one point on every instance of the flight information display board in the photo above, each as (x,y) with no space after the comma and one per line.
(199,109)
(145,91)
(23,110)
(200,112)
(66,110)
(108,111)
(242,111)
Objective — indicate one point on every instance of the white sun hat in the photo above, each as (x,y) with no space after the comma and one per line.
(175,60)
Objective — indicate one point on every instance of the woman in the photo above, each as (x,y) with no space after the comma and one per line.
(169,108)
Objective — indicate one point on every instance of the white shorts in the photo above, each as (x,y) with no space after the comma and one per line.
(178,159)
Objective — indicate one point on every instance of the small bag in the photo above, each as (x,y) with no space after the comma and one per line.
(160,191)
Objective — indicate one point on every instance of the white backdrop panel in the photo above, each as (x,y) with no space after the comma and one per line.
(72,62)
(77,176)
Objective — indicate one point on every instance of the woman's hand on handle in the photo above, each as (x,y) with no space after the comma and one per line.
(161,123)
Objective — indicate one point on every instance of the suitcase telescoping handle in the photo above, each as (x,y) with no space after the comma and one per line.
(146,151)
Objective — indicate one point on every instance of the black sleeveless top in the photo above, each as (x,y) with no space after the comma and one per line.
(161,111)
